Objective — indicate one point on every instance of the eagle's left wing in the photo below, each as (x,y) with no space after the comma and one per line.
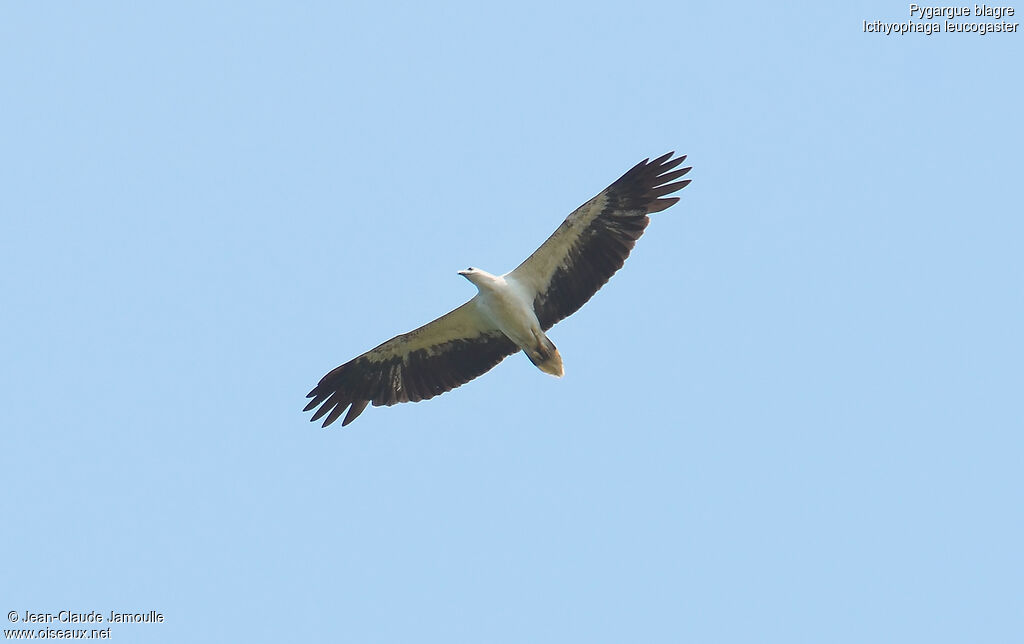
(595,240)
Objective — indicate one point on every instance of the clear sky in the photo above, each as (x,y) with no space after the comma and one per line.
(795,416)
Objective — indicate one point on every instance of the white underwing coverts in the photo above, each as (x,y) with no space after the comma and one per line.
(510,312)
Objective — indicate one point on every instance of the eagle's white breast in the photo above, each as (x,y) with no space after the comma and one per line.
(508,305)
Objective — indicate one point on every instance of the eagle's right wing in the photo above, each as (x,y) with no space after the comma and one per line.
(435,358)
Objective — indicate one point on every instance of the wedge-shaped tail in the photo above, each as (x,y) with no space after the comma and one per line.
(546,357)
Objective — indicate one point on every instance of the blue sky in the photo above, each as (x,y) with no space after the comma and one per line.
(795,415)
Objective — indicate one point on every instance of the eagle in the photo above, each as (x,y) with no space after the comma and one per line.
(510,312)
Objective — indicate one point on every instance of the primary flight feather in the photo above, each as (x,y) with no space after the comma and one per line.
(510,312)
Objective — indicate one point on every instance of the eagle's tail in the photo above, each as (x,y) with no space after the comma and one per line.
(545,356)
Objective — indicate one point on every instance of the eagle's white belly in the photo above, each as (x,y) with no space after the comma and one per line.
(509,307)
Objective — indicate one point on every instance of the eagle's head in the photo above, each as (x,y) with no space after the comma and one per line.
(477,276)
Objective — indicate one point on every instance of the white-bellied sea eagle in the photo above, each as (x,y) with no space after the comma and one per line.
(511,311)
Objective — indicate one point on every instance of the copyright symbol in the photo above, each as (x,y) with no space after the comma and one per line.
(12,616)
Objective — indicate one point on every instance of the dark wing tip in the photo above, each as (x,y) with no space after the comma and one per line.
(662,204)
(336,409)
(333,405)
(319,413)
(353,412)
(644,185)
(333,416)
(660,160)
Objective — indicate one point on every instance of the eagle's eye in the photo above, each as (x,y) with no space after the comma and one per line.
(470,268)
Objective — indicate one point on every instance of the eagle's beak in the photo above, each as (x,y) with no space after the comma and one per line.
(463,273)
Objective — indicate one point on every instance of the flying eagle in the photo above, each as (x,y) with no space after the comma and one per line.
(511,311)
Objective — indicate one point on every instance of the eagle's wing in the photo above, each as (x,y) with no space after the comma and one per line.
(594,241)
(414,366)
